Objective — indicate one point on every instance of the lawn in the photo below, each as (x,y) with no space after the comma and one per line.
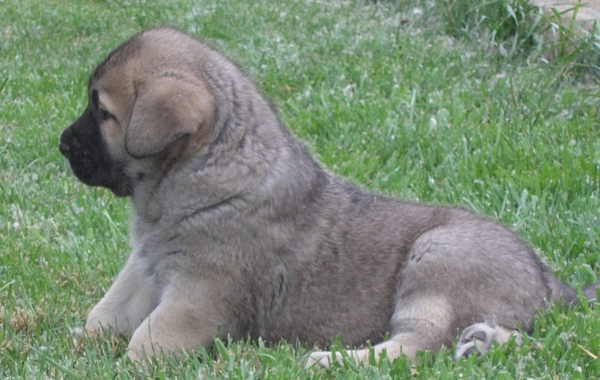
(403,103)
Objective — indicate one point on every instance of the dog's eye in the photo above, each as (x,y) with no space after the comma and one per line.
(103,114)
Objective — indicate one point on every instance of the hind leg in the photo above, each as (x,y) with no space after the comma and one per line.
(393,348)
(420,325)
(456,276)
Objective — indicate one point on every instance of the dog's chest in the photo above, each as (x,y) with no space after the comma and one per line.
(151,245)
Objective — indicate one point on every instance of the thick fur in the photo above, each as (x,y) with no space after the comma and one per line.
(238,231)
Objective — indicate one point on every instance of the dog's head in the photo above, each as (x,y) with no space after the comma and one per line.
(147,102)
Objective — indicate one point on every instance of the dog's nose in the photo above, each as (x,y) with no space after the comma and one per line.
(65,149)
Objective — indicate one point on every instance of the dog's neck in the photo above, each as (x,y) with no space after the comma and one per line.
(256,172)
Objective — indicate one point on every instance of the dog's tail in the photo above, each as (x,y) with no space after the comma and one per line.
(568,296)
(589,292)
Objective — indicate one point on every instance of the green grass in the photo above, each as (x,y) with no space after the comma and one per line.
(402,108)
(517,27)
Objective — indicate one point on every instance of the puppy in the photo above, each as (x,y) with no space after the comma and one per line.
(238,231)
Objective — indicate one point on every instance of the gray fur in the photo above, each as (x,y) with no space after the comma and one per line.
(238,229)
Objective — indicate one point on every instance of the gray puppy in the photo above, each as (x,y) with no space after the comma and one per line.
(238,231)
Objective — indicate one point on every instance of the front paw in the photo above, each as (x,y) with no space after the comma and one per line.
(99,323)
(94,328)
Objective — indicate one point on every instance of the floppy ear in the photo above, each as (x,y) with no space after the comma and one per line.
(166,110)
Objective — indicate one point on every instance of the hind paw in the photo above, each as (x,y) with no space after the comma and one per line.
(479,337)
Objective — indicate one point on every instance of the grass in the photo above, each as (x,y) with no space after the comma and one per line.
(400,107)
(517,27)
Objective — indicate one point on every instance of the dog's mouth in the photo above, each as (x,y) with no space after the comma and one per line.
(92,165)
(81,162)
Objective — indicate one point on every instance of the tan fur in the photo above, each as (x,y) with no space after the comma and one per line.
(238,231)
